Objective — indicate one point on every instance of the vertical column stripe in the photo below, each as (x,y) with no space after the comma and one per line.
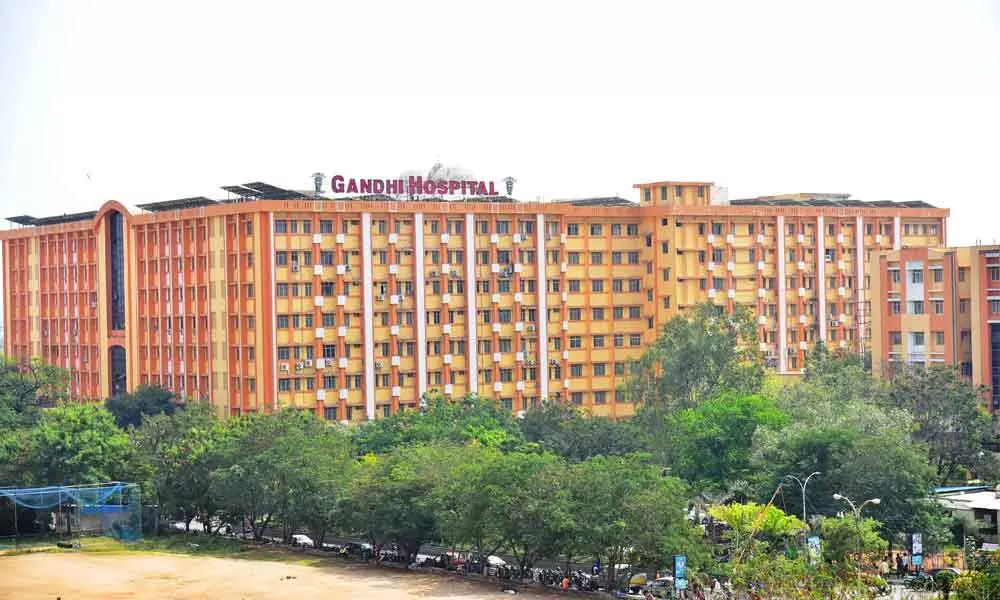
(419,294)
(541,289)
(368,302)
(472,349)
(897,239)
(821,276)
(859,268)
(274,313)
(782,321)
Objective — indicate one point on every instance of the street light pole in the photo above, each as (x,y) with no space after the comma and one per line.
(857,524)
(802,485)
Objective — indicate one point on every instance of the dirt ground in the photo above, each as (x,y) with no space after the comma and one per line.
(46,576)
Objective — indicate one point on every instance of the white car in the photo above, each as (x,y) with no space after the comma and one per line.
(302,540)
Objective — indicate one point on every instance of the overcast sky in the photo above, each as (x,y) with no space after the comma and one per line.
(160,100)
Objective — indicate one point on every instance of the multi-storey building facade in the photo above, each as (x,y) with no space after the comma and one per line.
(939,305)
(355,307)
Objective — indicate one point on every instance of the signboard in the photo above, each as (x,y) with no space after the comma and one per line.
(917,544)
(680,571)
(813,548)
(414,185)
(918,560)
(680,566)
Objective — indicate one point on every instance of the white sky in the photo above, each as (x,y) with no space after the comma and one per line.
(157,100)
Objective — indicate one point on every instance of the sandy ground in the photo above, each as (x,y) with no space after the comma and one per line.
(167,577)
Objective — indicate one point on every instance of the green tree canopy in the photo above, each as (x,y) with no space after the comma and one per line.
(180,451)
(626,510)
(949,415)
(751,521)
(698,356)
(78,443)
(565,431)
(471,419)
(130,409)
(843,535)
(711,443)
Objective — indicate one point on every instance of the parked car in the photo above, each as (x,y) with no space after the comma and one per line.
(302,540)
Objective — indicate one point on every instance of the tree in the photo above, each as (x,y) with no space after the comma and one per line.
(533,509)
(698,356)
(949,416)
(896,472)
(391,497)
(24,387)
(842,536)
(624,509)
(711,443)
(752,522)
(78,443)
(267,463)
(565,431)
(180,453)
(468,502)
(471,419)
(147,400)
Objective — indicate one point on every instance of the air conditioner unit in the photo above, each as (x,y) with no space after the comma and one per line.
(833,323)
(298,366)
(531,327)
(283,367)
(379,364)
(307,363)
(380,298)
(295,268)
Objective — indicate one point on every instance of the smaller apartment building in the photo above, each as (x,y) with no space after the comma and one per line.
(938,306)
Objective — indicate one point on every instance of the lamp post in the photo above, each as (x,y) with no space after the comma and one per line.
(802,485)
(857,523)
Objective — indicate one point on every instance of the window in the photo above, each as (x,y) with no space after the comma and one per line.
(938,306)
(895,338)
(894,275)
(600,397)
(281,226)
(598,314)
(634,340)
(575,342)
(995,307)
(574,285)
(572,229)
(938,275)
(939,338)
(635,312)
(633,258)
(596,229)
(916,276)
(597,285)
(597,258)
(574,258)
(916,338)
(963,305)
(577,397)
(632,229)
(600,369)
(963,273)
(574,314)
(966,369)
(894,307)
(598,341)
(619,340)
(916,307)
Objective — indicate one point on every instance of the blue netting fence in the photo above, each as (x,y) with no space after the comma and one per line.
(110,509)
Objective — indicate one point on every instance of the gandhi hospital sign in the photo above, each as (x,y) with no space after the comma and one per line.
(414,185)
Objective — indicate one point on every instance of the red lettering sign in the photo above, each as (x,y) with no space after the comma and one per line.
(415,186)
